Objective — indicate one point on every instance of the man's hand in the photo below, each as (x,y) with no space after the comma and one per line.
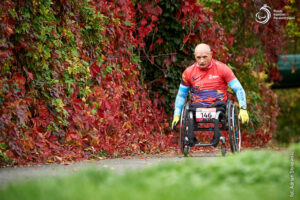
(175,121)
(244,116)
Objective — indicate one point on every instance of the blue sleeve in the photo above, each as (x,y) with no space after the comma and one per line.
(236,86)
(180,99)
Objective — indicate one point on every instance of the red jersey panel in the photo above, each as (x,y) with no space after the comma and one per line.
(208,85)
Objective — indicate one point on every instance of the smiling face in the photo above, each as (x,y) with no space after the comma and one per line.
(203,55)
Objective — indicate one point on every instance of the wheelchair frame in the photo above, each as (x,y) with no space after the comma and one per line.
(229,121)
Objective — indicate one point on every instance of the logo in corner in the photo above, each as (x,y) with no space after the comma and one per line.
(264,14)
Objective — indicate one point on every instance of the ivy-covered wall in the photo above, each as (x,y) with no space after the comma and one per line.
(69,85)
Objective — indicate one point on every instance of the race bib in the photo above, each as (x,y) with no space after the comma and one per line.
(205,113)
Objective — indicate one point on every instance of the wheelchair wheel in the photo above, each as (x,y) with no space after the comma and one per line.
(236,129)
(184,141)
(233,128)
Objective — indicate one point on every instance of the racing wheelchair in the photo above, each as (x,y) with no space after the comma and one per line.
(224,117)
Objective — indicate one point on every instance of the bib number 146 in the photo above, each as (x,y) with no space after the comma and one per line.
(205,113)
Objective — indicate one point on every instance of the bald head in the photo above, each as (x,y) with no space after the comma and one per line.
(202,48)
(203,55)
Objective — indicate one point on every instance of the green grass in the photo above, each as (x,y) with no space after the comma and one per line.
(249,175)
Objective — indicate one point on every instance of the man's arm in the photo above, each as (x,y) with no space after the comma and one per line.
(180,99)
(179,103)
(236,86)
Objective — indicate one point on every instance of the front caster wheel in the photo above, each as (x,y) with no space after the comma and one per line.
(223,149)
(223,146)
(186,150)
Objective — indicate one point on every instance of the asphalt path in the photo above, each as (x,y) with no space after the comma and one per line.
(119,165)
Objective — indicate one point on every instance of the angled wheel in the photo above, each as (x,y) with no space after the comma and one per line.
(233,128)
(184,126)
(236,129)
(229,121)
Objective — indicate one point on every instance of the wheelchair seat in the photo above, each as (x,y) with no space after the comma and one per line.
(220,106)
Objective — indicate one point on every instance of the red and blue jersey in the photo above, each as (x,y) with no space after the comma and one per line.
(208,85)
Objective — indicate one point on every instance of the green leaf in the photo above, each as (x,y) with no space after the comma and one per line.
(231,67)
(3,146)
(128,23)
(94,111)
(74,52)
(12,12)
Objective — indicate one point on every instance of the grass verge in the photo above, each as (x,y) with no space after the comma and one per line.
(249,175)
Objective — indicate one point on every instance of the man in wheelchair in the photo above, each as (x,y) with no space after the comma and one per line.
(208,80)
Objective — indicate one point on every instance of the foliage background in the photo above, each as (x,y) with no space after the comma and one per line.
(288,120)
(288,99)
(229,27)
(82,79)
